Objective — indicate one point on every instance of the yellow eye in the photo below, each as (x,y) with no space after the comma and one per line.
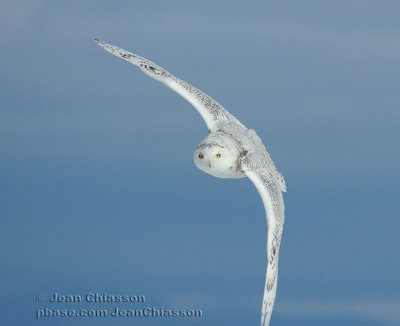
(218,155)
(201,155)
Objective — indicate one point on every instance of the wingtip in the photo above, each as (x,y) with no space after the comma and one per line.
(102,44)
(99,42)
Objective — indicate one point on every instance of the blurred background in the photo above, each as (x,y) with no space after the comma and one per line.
(99,192)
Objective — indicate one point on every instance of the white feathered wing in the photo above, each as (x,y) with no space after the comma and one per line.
(271,193)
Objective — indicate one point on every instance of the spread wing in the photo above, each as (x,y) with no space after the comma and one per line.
(271,194)
(210,110)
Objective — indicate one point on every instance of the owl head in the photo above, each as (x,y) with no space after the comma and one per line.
(217,155)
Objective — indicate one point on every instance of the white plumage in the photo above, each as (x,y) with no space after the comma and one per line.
(230,151)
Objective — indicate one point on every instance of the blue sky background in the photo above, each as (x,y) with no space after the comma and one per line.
(99,191)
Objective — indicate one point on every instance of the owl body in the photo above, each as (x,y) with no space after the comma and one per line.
(224,151)
(219,154)
(230,151)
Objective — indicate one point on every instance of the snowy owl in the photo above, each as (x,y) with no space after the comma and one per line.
(230,151)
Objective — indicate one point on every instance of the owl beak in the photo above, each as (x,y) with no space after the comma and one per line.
(209,164)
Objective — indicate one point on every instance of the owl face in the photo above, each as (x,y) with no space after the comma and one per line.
(217,156)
